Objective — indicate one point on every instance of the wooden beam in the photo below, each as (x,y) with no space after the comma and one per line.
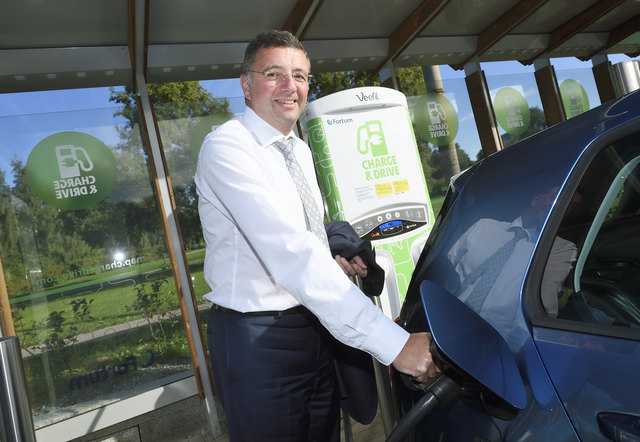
(6,319)
(633,54)
(617,34)
(502,26)
(576,24)
(604,81)
(580,22)
(404,34)
(483,112)
(301,17)
(550,95)
(138,36)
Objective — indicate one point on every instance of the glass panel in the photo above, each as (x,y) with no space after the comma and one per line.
(84,256)
(578,90)
(183,124)
(516,101)
(467,139)
(443,125)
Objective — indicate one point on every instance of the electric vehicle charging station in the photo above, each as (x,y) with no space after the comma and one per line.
(370,173)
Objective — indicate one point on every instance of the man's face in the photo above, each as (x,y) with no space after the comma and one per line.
(540,205)
(278,102)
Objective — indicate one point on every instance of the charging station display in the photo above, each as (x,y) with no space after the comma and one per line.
(371,176)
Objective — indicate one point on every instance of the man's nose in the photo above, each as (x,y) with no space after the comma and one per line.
(287,80)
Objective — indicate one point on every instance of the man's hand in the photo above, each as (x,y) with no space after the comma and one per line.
(355,266)
(415,358)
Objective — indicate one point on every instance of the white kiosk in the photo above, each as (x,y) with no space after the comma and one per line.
(371,176)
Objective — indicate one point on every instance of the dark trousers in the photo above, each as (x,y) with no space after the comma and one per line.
(275,377)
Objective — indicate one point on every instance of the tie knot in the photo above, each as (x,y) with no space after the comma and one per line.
(519,233)
(285,145)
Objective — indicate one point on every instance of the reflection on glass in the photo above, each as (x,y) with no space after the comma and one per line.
(183,126)
(578,90)
(89,281)
(446,135)
(517,105)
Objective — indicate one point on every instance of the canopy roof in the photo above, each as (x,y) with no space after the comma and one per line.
(54,44)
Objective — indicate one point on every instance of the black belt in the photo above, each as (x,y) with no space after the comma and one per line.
(299,309)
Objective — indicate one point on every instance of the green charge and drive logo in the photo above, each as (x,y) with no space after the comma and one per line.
(574,98)
(512,111)
(371,140)
(436,119)
(71,170)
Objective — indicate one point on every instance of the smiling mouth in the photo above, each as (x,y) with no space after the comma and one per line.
(286,101)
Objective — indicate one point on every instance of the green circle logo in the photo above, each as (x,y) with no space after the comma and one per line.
(512,111)
(205,126)
(574,98)
(71,170)
(436,119)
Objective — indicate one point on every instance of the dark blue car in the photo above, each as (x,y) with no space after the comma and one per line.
(530,285)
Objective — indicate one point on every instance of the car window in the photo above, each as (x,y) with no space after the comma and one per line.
(593,270)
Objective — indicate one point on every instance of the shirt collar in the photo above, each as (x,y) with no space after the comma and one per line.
(264,132)
(517,224)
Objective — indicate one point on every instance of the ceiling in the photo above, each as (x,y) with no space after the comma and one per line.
(56,44)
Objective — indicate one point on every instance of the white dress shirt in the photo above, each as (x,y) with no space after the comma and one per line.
(477,245)
(466,255)
(260,255)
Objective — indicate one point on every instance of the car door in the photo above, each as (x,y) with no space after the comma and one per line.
(587,326)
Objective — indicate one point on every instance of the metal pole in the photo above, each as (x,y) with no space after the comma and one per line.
(383,383)
(16,421)
(381,374)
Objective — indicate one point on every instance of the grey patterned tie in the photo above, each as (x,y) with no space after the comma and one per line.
(485,274)
(312,215)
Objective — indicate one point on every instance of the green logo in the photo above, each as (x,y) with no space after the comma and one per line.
(436,119)
(574,98)
(371,139)
(205,126)
(71,170)
(512,111)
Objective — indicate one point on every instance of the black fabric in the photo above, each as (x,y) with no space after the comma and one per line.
(344,241)
(354,368)
(275,377)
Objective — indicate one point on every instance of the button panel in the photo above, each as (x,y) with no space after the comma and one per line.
(390,223)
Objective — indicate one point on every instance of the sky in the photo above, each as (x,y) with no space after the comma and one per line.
(26,118)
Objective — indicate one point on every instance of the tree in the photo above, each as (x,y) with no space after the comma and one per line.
(326,83)
(177,107)
(411,81)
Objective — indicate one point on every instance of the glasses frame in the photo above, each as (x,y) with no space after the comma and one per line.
(280,76)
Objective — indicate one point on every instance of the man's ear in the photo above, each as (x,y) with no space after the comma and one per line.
(244,82)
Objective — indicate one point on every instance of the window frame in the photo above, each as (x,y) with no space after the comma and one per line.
(532,302)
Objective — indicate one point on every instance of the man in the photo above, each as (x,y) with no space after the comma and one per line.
(275,287)
(489,257)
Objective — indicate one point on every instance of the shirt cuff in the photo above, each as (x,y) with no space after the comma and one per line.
(386,340)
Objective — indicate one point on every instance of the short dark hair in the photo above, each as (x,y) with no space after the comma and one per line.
(269,39)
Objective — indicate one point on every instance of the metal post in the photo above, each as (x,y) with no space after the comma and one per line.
(628,76)
(381,373)
(16,423)
(383,384)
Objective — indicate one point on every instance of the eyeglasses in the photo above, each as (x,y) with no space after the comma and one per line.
(276,76)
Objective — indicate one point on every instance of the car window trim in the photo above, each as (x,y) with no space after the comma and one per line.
(532,304)
(598,220)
